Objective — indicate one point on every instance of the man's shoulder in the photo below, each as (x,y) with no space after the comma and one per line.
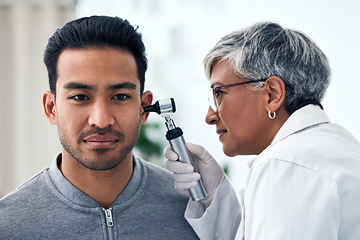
(153,168)
(26,192)
(23,204)
(160,180)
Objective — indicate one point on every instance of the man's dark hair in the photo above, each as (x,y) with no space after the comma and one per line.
(95,31)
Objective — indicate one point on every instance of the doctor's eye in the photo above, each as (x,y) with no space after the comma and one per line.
(218,93)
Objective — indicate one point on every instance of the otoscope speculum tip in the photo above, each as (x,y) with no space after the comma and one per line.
(164,107)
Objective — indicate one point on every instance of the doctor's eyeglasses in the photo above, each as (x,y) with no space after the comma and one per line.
(214,93)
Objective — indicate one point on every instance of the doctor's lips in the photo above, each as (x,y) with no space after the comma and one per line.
(221,132)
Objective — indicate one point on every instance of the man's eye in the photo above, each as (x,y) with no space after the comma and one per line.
(120,97)
(80,97)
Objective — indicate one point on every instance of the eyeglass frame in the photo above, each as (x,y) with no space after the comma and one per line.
(213,99)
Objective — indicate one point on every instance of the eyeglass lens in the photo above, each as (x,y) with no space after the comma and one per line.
(212,100)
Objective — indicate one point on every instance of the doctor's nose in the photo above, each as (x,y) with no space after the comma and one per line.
(101,115)
(211,117)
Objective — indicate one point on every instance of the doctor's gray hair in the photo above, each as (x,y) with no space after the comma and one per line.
(266,49)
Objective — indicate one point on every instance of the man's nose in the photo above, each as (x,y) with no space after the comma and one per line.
(101,115)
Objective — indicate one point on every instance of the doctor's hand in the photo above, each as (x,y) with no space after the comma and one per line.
(185,177)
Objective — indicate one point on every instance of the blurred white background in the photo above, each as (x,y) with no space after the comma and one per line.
(178,34)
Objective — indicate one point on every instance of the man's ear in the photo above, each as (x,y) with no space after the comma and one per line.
(146,100)
(276,93)
(49,106)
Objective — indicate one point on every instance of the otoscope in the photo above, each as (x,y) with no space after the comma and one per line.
(166,108)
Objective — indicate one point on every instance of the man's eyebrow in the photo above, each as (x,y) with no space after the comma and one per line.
(128,85)
(74,85)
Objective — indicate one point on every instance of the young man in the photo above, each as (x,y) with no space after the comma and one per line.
(96,188)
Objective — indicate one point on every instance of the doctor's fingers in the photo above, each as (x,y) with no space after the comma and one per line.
(185,185)
(199,152)
(186,177)
(179,167)
(170,154)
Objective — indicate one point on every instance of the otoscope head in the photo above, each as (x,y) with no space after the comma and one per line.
(164,107)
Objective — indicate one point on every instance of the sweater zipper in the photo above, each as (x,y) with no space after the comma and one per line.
(109,223)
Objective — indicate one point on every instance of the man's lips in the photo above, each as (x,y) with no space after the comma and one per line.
(100,141)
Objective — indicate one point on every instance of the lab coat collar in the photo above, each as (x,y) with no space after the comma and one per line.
(303,118)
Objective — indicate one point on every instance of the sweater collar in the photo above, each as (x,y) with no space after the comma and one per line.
(70,193)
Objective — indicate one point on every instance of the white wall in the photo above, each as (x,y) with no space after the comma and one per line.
(178,34)
(28,143)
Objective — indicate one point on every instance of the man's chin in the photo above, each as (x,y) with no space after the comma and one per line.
(95,165)
(101,150)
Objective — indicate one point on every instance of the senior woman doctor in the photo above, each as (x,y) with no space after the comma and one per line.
(267,83)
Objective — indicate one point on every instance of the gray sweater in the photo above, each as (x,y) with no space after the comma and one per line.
(50,207)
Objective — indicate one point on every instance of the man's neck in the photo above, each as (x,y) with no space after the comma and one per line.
(102,186)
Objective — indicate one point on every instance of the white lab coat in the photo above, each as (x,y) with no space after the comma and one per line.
(304,186)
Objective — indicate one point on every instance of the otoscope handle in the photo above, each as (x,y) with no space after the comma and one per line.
(177,143)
